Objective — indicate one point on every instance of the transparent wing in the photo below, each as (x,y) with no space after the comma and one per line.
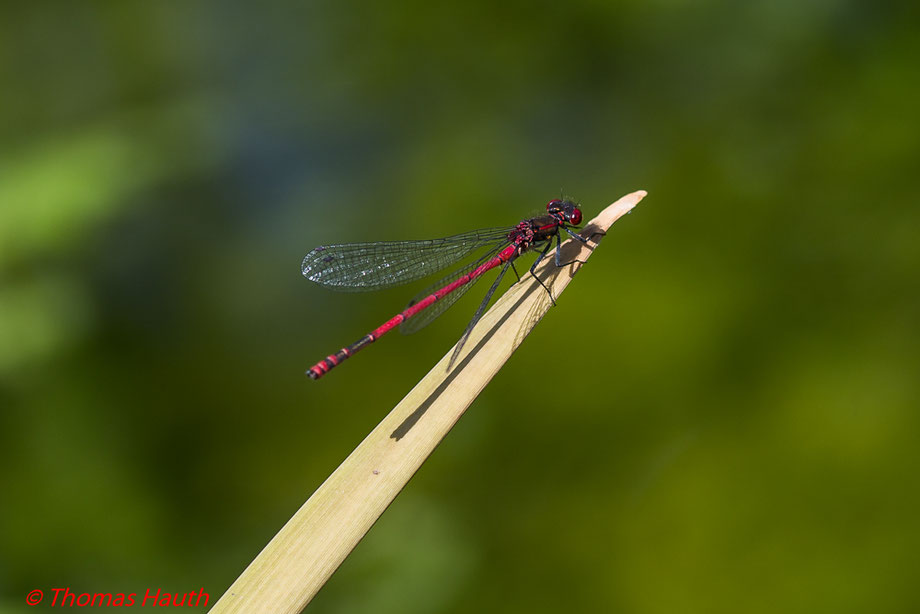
(477,315)
(429,315)
(361,267)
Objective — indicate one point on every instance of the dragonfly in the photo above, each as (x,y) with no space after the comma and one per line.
(364,267)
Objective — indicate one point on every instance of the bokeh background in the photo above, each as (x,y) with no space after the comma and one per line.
(719,416)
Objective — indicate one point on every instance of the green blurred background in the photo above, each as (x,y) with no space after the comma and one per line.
(732,421)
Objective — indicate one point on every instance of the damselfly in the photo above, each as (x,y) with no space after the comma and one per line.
(360,267)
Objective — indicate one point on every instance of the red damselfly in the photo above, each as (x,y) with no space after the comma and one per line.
(360,267)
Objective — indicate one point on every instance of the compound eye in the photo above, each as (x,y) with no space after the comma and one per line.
(575,216)
(554,205)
